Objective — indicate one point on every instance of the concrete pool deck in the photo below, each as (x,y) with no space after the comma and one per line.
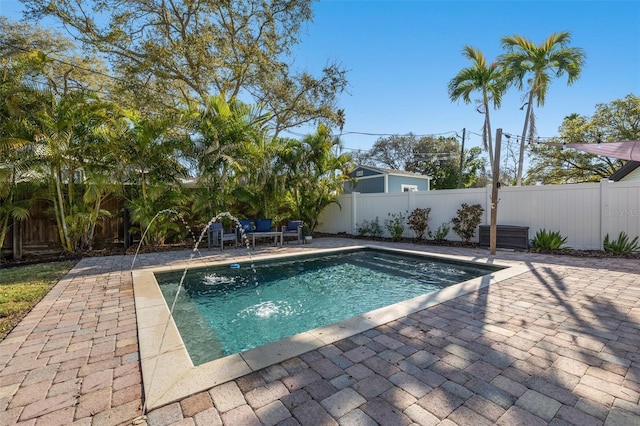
(556,343)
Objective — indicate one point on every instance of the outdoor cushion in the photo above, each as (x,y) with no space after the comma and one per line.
(215,226)
(293,225)
(263,225)
(245,225)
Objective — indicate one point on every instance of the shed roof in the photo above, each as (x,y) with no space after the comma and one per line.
(624,170)
(394,172)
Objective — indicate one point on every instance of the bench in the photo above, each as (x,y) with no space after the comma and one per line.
(507,236)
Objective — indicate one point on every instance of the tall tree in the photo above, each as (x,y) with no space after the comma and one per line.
(487,79)
(393,152)
(535,66)
(16,154)
(53,118)
(188,50)
(53,60)
(444,167)
(616,121)
(150,150)
(65,148)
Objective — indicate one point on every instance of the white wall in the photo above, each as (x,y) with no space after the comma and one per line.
(584,213)
(633,176)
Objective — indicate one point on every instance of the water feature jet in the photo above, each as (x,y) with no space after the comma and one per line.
(195,250)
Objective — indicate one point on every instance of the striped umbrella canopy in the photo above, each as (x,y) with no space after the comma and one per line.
(624,150)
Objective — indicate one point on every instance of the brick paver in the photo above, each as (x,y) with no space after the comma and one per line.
(555,345)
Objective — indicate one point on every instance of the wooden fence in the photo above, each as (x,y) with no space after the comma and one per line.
(38,234)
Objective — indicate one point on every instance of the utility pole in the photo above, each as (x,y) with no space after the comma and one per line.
(464,131)
(495,185)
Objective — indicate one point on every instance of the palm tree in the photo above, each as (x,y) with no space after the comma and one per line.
(552,58)
(16,155)
(486,79)
(310,165)
(231,146)
(149,169)
(65,132)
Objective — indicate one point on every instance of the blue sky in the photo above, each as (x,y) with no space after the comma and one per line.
(402,54)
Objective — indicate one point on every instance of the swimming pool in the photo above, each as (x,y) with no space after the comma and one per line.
(223,311)
(167,369)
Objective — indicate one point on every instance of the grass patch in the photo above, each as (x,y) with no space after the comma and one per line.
(22,287)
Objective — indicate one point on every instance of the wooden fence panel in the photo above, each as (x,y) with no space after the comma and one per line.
(38,234)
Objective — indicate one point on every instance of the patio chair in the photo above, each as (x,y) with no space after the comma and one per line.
(217,236)
(293,229)
(245,227)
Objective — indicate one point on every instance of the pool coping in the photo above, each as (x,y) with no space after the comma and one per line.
(169,375)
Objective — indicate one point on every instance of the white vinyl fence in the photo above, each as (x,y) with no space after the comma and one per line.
(584,213)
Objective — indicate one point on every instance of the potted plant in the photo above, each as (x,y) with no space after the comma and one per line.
(306,234)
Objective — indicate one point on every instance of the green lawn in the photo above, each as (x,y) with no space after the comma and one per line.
(22,287)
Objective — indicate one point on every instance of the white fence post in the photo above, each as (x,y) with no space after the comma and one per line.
(354,213)
(604,209)
(487,205)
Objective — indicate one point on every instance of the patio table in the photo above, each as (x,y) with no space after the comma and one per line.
(277,235)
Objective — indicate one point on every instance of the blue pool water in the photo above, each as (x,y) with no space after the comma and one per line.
(222,311)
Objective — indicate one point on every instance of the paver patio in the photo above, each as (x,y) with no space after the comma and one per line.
(558,344)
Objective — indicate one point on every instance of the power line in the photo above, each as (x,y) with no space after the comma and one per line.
(537,139)
(89,70)
(396,134)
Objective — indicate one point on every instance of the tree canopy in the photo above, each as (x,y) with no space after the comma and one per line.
(534,66)
(183,51)
(489,81)
(70,138)
(618,120)
(438,157)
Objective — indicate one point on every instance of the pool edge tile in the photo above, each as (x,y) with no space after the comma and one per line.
(199,379)
(275,352)
(343,329)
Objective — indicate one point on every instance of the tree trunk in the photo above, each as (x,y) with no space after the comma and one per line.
(3,231)
(17,239)
(94,221)
(488,130)
(66,243)
(6,215)
(524,136)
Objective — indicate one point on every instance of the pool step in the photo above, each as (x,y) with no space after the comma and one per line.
(394,268)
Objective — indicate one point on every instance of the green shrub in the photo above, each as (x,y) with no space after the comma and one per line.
(372,228)
(363,228)
(375,228)
(622,245)
(395,225)
(548,240)
(468,219)
(419,221)
(441,233)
